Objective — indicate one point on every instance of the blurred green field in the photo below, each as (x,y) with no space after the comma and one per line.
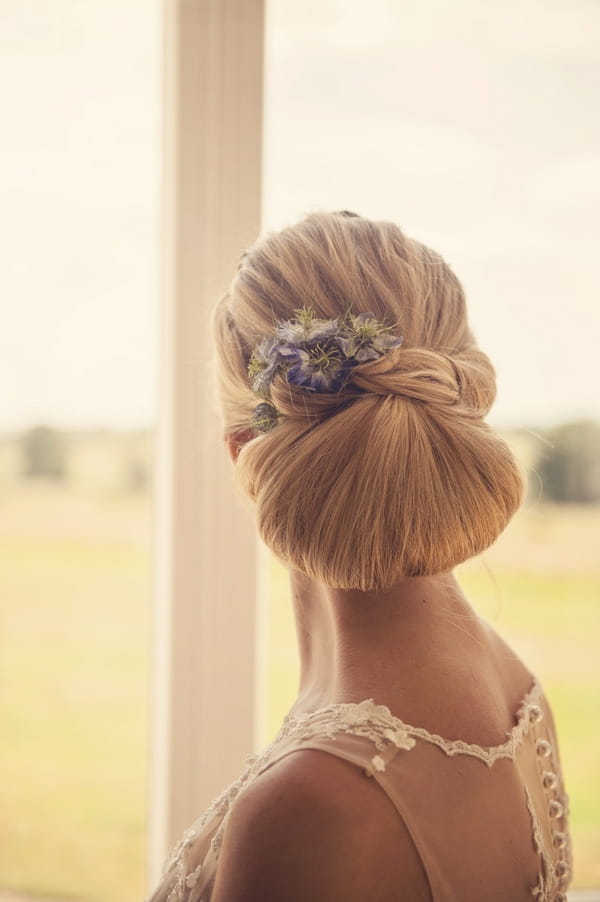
(74,622)
(75,590)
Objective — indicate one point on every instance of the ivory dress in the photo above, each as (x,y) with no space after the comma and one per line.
(490,824)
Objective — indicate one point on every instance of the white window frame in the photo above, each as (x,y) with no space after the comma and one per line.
(204,692)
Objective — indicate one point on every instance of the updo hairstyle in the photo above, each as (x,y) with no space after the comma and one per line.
(397,475)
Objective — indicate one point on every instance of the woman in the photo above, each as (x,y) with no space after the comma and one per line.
(419,760)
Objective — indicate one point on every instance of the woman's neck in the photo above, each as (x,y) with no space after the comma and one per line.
(355,645)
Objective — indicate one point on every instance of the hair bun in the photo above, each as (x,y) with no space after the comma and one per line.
(463,380)
(401,476)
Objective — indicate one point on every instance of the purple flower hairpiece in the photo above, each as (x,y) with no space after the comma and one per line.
(317,354)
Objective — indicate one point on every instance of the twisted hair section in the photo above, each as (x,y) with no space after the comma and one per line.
(397,474)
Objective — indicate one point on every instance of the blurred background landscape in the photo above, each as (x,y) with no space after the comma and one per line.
(475,127)
(75,621)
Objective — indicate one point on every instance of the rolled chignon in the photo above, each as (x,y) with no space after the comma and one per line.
(398,474)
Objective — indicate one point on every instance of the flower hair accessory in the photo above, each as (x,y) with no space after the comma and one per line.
(317,354)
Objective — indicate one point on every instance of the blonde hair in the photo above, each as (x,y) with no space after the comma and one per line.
(397,475)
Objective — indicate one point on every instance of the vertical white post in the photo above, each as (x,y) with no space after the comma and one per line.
(205,547)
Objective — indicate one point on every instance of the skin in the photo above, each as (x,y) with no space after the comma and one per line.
(311,826)
(398,647)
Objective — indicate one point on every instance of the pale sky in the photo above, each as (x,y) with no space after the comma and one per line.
(474,125)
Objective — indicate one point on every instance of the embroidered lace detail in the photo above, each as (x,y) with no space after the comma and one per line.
(365,719)
(542,889)
(184,876)
(368,719)
(373,722)
(361,719)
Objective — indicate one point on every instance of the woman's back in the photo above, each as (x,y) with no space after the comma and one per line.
(465,682)
(467,690)
(478,808)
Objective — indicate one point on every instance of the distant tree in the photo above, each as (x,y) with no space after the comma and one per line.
(44,452)
(135,476)
(570,469)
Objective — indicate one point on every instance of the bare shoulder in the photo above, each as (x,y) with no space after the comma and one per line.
(517,675)
(314,826)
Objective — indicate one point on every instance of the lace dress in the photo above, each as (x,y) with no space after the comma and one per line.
(488,823)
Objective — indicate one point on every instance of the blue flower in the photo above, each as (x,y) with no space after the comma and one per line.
(366,338)
(319,330)
(384,342)
(306,328)
(318,354)
(263,364)
(319,367)
(265,416)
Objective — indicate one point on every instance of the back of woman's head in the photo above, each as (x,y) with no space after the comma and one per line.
(396,474)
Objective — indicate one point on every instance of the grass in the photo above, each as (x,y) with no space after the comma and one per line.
(74,707)
(75,595)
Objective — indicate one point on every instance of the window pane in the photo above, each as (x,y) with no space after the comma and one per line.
(480,139)
(80,94)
